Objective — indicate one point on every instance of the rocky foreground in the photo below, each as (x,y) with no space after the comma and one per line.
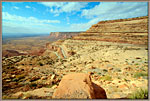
(119,68)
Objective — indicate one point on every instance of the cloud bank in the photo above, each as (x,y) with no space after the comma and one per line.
(67,15)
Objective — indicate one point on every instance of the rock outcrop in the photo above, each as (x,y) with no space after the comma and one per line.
(132,30)
(78,86)
(9,53)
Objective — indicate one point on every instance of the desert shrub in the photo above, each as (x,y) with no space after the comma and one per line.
(140,94)
(71,52)
(105,70)
(140,74)
(106,77)
(40,63)
(32,85)
(99,73)
(119,77)
(21,76)
(136,64)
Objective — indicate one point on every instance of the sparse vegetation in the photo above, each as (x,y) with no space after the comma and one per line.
(140,74)
(33,85)
(105,70)
(140,94)
(71,52)
(106,77)
(136,64)
(40,63)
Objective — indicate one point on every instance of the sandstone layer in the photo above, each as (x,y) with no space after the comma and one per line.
(78,86)
(132,30)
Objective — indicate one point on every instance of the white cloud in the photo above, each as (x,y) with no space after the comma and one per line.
(19,24)
(116,9)
(53,4)
(68,7)
(15,7)
(7,16)
(103,11)
(27,6)
(110,11)
(10,27)
(84,26)
(56,15)
(73,6)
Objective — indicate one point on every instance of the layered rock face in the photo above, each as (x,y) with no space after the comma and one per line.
(62,35)
(78,86)
(132,30)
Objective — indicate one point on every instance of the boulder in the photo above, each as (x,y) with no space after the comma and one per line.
(78,86)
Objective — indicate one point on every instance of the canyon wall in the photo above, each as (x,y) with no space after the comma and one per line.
(132,30)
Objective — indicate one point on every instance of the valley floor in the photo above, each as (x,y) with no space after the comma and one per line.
(119,68)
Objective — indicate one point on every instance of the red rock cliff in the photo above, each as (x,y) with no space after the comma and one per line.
(132,30)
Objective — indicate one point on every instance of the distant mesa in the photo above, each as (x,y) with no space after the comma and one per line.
(63,35)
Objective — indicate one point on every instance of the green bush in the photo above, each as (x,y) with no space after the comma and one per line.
(140,94)
(33,85)
(140,74)
(105,70)
(40,63)
(106,77)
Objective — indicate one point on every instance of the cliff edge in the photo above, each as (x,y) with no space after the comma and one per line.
(132,30)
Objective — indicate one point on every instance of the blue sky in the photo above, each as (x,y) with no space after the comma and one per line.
(46,17)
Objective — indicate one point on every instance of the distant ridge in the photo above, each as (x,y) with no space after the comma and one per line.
(63,35)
